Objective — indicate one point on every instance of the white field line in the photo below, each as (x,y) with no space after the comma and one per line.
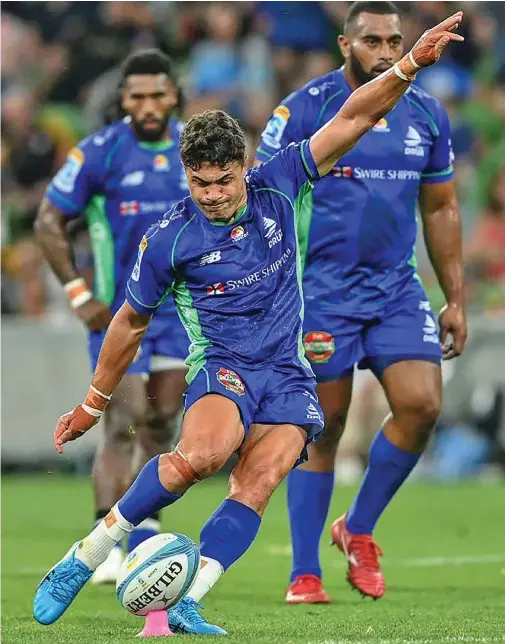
(416,562)
(443,640)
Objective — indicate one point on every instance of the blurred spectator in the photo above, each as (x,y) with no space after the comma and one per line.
(485,250)
(301,33)
(231,69)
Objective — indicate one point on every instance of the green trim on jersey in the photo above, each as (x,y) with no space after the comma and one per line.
(303,213)
(233,221)
(112,151)
(430,118)
(325,105)
(196,359)
(188,315)
(176,240)
(282,194)
(442,173)
(102,245)
(156,145)
(413,263)
(260,150)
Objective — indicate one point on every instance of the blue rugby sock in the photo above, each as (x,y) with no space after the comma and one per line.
(387,469)
(146,495)
(149,527)
(229,532)
(309,497)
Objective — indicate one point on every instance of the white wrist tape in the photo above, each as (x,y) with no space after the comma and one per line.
(97,413)
(80,299)
(400,74)
(411,58)
(77,292)
(97,391)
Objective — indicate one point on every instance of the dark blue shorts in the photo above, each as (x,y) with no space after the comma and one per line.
(404,329)
(265,396)
(163,348)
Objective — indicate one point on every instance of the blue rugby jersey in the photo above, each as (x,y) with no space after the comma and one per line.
(237,286)
(360,239)
(124,186)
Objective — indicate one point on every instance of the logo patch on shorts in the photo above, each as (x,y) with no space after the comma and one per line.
(231,381)
(319,346)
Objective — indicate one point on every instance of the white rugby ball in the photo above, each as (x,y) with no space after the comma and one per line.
(158,573)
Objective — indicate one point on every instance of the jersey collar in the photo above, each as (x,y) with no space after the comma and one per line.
(238,217)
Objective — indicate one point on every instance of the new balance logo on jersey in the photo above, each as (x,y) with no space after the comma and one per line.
(133,179)
(215,289)
(413,143)
(273,235)
(210,258)
(430,330)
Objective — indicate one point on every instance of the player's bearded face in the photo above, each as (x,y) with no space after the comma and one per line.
(219,192)
(149,99)
(373,46)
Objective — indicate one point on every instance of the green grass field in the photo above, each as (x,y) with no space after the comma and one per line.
(444,563)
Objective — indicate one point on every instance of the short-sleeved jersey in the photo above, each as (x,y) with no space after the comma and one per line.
(124,186)
(237,286)
(363,229)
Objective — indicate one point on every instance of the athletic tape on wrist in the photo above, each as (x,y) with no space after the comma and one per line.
(97,413)
(77,292)
(411,58)
(400,74)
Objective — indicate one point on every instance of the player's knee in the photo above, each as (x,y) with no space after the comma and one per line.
(421,412)
(197,464)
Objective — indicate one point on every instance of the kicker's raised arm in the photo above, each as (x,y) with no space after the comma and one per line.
(369,103)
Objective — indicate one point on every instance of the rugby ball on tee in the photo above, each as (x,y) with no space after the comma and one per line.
(158,573)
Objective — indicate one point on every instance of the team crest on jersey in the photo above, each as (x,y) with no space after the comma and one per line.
(319,346)
(231,380)
(238,233)
(272,135)
(65,178)
(160,163)
(381,126)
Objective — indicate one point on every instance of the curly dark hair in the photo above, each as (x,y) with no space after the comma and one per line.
(212,137)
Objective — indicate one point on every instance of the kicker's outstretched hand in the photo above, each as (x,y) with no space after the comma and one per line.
(432,43)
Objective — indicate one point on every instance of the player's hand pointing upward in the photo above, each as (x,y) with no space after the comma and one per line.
(432,43)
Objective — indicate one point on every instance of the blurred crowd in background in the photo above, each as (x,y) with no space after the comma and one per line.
(60,73)
(59,78)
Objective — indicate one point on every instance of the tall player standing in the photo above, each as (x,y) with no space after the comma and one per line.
(251,389)
(125,177)
(364,301)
